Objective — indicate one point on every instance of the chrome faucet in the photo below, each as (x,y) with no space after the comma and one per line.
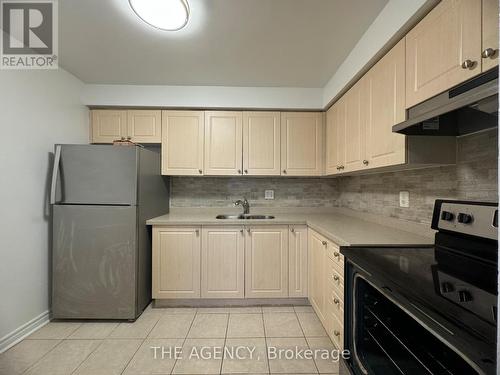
(243,203)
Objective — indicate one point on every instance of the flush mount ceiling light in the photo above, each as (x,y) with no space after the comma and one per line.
(167,15)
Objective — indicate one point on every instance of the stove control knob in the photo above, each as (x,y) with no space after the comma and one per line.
(465,218)
(447,287)
(447,216)
(464,296)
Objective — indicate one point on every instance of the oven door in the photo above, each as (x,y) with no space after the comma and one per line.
(387,334)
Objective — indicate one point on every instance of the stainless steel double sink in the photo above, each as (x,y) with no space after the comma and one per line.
(245,217)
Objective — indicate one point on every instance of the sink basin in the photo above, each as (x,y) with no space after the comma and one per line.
(245,217)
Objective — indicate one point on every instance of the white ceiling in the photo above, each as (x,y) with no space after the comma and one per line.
(281,43)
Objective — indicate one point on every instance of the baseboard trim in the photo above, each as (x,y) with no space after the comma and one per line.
(229,302)
(12,338)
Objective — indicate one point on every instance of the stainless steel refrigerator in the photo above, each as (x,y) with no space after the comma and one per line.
(102,196)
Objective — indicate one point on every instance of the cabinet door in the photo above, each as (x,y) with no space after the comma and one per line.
(301,143)
(383,99)
(297,261)
(108,125)
(354,147)
(317,273)
(437,47)
(266,261)
(335,137)
(223,143)
(176,262)
(222,262)
(490,34)
(261,143)
(182,143)
(144,126)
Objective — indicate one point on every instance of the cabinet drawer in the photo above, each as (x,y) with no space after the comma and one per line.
(336,331)
(336,304)
(336,280)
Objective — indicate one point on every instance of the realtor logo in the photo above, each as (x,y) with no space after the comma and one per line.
(29,34)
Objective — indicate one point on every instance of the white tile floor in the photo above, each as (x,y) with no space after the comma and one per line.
(87,348)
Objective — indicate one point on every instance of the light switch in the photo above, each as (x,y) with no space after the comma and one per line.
(269,194)
(404,199)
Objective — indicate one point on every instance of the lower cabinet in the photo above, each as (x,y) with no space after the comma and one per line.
(230,261)
(176,262)
(222,262)
(326,285)
(266,261)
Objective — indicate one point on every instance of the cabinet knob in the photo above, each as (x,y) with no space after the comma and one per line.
(284,171)
(200,171)
(241,231)
(342,167)
(468,64)
(336,301)
(336,254)
(246,171)
(239,171)
(488,52)
(122,138)
(248,230)
(335,277)
(336,333)
(129,138)
(292,230)
(338,168)
(365,162)
(324,243)
(197,231)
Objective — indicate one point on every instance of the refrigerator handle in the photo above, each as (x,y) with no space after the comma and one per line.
(55,171)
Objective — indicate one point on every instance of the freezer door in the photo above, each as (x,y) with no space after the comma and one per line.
(94,262)
(95,174)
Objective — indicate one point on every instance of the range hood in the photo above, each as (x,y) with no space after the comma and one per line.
(465,109)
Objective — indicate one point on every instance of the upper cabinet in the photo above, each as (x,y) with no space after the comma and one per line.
(108,125)
(301,143)
(261,143)
(444,49)
(223,143)
(144,126)
(182,143)
(140,126)
(383,100)
(335,137)
(353,150)
(489,49)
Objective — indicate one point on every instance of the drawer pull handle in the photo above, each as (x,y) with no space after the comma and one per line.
(324,243)
(336,333)
(335,277)
(336,301)
(468,64)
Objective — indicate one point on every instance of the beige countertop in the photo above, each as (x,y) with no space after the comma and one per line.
(344,227)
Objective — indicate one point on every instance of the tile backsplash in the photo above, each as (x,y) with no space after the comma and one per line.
(474,178)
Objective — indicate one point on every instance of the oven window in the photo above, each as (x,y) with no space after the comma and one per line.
(389,341)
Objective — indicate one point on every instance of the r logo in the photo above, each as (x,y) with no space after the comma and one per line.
(28,28)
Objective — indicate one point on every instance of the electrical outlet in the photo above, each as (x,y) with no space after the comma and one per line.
(404,199)
(269,194)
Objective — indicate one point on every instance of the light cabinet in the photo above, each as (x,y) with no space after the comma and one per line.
(223,143)
(302,143)
(144,126)
(266,261)
(335,137)
(140,126)
(353,140)
(443,49)
(176,262)
(108,125)
(261,143)
(489,48)
(222,262)
(317,273)
(383,100)
(182,142)
(297,261)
